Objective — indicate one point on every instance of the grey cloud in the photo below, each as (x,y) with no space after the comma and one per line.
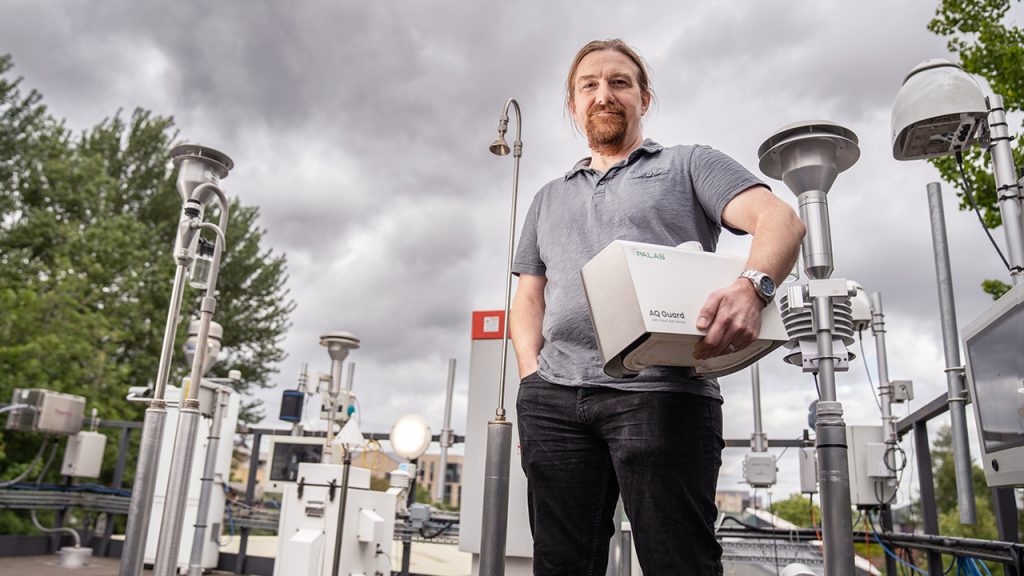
(360,131)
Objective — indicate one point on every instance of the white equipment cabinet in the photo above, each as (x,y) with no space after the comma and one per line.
(872,481)
(215,514)
(484,370)
(309,524)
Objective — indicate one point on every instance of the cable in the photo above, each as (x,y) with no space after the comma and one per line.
(814,525)
(977,562)
(231,519)
(867,541)
(41,528)
(380,552)
(890,552)
(970,198)
(27,471)
(775,546)
(816,387)
(12,407)
(49,461)
(864,357)
(440,531)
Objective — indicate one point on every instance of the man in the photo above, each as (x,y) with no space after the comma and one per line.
(657,438)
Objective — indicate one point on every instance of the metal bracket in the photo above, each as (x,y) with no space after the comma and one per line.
(829,288)
(797,297)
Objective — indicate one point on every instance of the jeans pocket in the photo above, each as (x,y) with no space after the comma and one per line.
(532,378)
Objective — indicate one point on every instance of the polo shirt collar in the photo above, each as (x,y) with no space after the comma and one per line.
(648,147)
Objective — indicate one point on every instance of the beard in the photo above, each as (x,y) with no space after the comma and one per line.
(606,134)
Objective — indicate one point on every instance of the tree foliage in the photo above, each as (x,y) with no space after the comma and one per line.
(797,509)
(987,44)
(87,224)
(944,475)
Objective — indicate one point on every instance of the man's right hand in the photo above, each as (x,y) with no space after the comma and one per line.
(525,321)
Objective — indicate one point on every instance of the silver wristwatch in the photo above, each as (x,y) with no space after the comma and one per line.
(763,284)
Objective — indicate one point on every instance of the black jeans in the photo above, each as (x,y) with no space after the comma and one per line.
(581,446)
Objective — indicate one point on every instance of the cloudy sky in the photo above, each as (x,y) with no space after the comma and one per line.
(360,129)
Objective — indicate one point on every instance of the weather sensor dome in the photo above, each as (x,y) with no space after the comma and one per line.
(937,111)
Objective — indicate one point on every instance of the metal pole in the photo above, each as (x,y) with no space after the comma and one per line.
(446,434)
(954,369)
(833,471)
(808,156)
(626,560)
(116,482)
(885,402)
(195,567)
(614,567)
(494,527)
(926,484)
(141,506)
(495,518)
(830,429)
(350,374)
(760,445)
(884,385)
(189,416)
(166,563)
(250,495)
(1005,503)
(410,499)
(885,514)
(1007,188)
(339,533)
(333,392)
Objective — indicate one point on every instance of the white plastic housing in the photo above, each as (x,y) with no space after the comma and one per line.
(808,470)
(644,301)
(51,412)
(369,522)
(902,390)
(222,471)
(759,469)
(83,457)
(865,460)
(937,111)
(995,373)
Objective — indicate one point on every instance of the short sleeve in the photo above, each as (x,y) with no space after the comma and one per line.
(528,259)
(717,179)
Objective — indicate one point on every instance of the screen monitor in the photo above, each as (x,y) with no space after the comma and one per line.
(284,454)
(994,346)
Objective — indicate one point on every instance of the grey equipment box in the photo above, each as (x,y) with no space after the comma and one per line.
(644,301)
(49,412)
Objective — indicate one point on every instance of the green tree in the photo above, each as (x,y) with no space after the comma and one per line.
(987,44)
(944,474)
(797,509)
(87,224)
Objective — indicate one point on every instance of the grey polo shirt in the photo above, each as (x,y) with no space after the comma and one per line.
(658,195)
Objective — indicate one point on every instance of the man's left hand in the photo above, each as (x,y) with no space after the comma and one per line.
(732,318)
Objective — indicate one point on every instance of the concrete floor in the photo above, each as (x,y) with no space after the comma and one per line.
(434,559)
(47,566)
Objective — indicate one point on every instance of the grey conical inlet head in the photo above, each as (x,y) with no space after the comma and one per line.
(339,344)
(199,165)
(809,155)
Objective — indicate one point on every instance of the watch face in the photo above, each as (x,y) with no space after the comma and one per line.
(767,285)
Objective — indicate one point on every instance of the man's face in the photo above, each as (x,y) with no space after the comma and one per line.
(607,102)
